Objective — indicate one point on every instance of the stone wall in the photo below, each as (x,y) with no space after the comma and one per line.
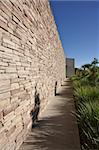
(30,55)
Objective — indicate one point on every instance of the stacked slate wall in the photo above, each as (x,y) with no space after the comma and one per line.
(31,55)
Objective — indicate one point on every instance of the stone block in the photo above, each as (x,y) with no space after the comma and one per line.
(4,103)
(19,110)
(9,116)
(10,131)
(15,19)
(4,86)
(4,95)
(3,140)
(14,86)
(1,115)
(3,19)
(11,70)
(3,25)
(5,49)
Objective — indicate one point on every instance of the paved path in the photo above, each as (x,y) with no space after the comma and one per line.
(57,128)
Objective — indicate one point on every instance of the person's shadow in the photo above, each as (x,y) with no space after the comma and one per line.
(35,111)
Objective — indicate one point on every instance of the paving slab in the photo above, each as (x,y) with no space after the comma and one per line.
(57,127)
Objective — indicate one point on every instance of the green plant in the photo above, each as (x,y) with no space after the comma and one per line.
(86,94)
(88,121)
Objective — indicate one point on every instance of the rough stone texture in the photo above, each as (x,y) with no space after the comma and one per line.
(30,54)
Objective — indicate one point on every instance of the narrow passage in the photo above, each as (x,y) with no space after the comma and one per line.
(57,128)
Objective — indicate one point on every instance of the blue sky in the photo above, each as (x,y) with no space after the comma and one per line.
(78,26)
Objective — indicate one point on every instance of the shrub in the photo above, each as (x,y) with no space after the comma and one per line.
(88,121)
(86,94)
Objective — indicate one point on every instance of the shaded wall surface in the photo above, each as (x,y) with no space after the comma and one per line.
(70,67)
(30,55)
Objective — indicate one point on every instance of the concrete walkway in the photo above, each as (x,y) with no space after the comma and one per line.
(57,128)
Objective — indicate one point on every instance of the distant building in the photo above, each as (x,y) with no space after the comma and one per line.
(70,67)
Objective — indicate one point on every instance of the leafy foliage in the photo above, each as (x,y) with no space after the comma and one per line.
(86,93)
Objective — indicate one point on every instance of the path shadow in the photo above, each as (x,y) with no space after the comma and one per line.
(59,131)
(56,132)
(67,92)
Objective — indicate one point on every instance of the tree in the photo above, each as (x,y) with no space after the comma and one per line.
(91,71)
